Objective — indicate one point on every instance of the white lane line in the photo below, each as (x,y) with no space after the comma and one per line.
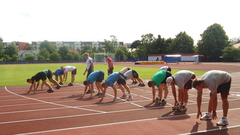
(53,103)
(123,122)
(128,101)
(209,130)
(35,110)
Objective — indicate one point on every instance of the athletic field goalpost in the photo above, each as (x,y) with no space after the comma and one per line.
(99,57)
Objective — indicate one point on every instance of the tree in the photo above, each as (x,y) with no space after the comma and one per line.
(168,44)
(49,46)
(101,49)
(55,57)
(79,51)
(69,56)
(231,53)
(109,48)
(15,58)
(43,54)
(1,48)
(114,40)
(214,40)
(63,50)
(29,58)
(30,47)
(135,44)
(11,50)
(75,56)
(146,46)
(183,43)
(159,46)
(6,57)
(119,54)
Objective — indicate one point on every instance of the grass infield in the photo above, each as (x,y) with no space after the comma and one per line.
(12,75)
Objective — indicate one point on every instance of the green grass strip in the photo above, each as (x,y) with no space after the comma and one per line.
(12,75)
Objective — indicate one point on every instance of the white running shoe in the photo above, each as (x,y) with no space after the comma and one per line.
(223,122)
(124,96)
(206,116)
(130,98)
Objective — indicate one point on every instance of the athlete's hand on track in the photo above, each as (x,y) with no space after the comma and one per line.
(214,115)
(199,114)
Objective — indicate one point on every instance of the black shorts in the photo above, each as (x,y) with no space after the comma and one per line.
(167,75)
(224,89)
(188,85)
(110,71)
(121,81)
(100,77)
(49,74)
(74,72)
(135,74)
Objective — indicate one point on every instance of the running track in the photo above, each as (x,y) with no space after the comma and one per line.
(62,112)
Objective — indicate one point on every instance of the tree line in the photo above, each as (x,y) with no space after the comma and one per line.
(214,43)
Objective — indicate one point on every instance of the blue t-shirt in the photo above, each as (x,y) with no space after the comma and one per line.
(45,71)
(58,72)
(112,78)
(93,76)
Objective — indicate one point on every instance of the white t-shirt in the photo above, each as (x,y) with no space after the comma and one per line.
(89,62)
(128,74)
(163,68)
(182,77)
(213,78)
(124,70)
(69,68)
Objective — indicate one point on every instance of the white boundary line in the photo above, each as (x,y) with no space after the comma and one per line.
(53,103)
(131,121)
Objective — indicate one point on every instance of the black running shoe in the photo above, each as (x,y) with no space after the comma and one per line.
(61,83)
(89,91)
(70,84)
(50,91)
(58,87)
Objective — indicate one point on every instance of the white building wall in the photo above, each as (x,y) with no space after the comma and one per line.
(77,45)
(95,44)
(153,58)
(187,58)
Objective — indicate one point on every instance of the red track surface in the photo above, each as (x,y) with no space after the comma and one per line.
(62,112)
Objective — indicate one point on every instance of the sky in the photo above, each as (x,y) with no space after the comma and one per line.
(128,20)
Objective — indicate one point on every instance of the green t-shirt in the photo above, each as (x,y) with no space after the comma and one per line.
(159,77)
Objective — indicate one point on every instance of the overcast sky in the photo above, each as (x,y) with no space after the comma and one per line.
(96,20)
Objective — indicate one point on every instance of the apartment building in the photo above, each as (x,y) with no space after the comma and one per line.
(75,44)
(20,45)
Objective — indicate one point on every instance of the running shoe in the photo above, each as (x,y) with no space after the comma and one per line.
(142,85)
(223,122)
(206,116)
(163,102)
(139,84)
(175,107)
(97,94)
(89,91)
(184,109)
(61,83)
(100,95)
(157,100)
(58,87)
(70,84)
(50,91)
(124,96)
(130,98)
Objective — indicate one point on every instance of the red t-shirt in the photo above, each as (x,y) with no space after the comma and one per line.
(110,63)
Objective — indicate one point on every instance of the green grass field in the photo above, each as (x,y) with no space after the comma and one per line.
(17,74)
